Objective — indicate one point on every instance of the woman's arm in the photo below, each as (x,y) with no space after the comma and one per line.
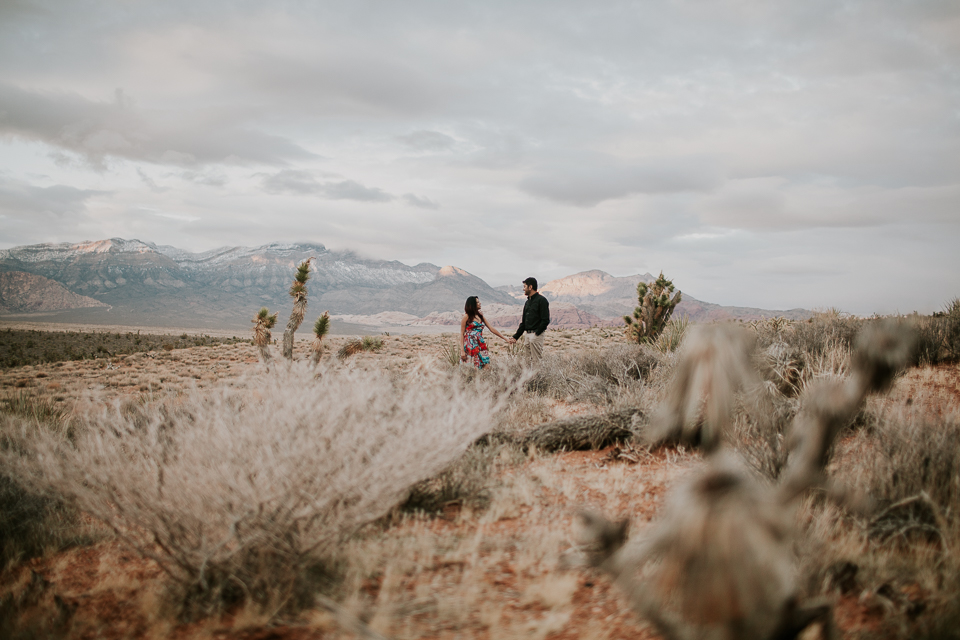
(463,337)
(492,330)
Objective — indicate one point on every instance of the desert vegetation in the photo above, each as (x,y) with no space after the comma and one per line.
(20,347)
(393,493)
(657,301)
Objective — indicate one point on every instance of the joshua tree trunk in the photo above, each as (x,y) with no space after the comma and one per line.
(320,329)
(298,291)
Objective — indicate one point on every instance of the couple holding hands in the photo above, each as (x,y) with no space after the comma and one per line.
(536,317)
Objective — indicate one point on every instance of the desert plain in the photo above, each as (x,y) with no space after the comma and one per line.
(493,553)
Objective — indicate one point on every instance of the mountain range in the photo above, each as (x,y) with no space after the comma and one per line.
(129,282)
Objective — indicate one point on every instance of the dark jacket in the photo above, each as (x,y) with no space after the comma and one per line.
(536,315)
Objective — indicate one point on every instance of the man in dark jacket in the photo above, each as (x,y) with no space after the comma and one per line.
(536,317)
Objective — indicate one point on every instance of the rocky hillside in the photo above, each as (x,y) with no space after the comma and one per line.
(27,293)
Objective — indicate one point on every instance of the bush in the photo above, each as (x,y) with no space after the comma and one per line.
(246,495)
(366,343)
(594,375)
(467,482)
(30,522)
(939,335)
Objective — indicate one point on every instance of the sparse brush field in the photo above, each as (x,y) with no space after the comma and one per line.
(196,492)
(20,347)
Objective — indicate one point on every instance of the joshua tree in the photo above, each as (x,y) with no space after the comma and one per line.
(320,329)
(298,291)
(263,322)
(656,307)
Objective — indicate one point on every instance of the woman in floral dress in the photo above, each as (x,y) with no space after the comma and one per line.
(471,331)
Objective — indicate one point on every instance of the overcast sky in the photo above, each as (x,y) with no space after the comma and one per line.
(769,154)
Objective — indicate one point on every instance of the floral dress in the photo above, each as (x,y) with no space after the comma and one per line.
(474,346)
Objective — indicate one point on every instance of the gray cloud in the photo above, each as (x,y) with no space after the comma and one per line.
(29,213)
(297,182)
(100,130)
(585,180)
(210,179)
(775,205)
(350,190)
(421,202)
(292,181)
(20,199)
(427,141)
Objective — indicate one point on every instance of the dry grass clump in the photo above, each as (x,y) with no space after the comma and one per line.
(31,522)
(900,558)
(366,343)
(594,375)
(939,335)
(245,493)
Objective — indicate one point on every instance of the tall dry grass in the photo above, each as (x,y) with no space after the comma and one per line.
(245,493)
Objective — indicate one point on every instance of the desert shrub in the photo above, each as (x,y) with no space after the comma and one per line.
(40,409)
(594,375)
(672,335)
(366,343)
(907,453)
(32,522)
(449,353)
(816,336)
(901,548)
(939,335)
(30,347)
(245,493)
(467,482)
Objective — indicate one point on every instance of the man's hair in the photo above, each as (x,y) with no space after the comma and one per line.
(532,282)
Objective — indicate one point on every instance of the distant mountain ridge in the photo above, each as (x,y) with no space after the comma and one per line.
(611,297)
(119,281)
(144,283)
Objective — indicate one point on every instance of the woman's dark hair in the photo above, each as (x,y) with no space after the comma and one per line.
(470,308)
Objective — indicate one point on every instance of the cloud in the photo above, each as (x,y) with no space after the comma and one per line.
(776,204)
(585,180)
(350,190)
(292,181)
(29,213)
(150,182)
(298,182)
(427,141)
(210,179)
(97,131)
(21,200)
(422,202)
